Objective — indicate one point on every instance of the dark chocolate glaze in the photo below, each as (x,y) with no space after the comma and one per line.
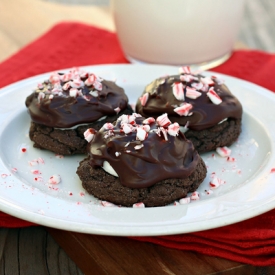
(65,111)
(157,160)
(205,114)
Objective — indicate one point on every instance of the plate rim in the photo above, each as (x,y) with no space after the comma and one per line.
(36,217)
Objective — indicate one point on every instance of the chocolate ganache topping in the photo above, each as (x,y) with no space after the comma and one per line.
(191,99)
(142,151)
(73,98)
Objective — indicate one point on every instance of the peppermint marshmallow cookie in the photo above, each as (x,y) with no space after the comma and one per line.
(138,160)
(208,113)
(67,104)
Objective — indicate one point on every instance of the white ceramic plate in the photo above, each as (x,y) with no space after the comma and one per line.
(248,191)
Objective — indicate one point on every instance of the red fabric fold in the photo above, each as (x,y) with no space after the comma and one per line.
(73,44)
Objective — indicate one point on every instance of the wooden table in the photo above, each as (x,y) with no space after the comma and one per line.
(40,250)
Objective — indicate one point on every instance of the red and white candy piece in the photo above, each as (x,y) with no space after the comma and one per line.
(173,129)
(73,92)
(215,182)
(127,128)
(185,70)
(197,85)
(164,133)
(117,154)
(231,159)
(148,120)
(35,172)
(55,179)
(66,86)
(185,200)
(184,109)
(178,90)
(40,86)
(98,85)
(89,134)
(192,93)
(195,196)
(141,134)
(107,204)
(186,77)
(41,95)
(108,126)
(144,98)
(90,80)
(218,80)
(146,127)
(77,83)
(66,77)
(139,146)
(207,80)
(94,93)
(209,192)
(213,96)
(163,120)
(139,205)
(54,78)
(223,151)
(117,110)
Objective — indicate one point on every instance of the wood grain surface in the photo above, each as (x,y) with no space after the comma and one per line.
(119,255)
(32,251)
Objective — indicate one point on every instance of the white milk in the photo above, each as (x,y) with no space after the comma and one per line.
(177,32)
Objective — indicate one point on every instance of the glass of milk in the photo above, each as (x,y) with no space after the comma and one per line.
(177,32)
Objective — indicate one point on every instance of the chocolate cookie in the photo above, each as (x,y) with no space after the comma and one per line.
(107,187)
(64,106)
(209,114)
(138,160)
(66,142)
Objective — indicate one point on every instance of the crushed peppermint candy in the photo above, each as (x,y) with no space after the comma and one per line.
(192,93)
(89,134)
(107,204)
(36,172)
(223,151)
(208,192)
(216,182)
(94,93)
(148,120)
(139,146)
(185,70)
(139,205)
(178,90)
(213,96)
(185,200)
(163,120)
(117,110)
(207,81)
(173,129)
(117,154)
(184,109)
(144,98)
(141,134)
(55,179)
(231,159)
(195,196)
(108,126)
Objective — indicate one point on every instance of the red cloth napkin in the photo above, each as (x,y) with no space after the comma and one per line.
(72,44)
